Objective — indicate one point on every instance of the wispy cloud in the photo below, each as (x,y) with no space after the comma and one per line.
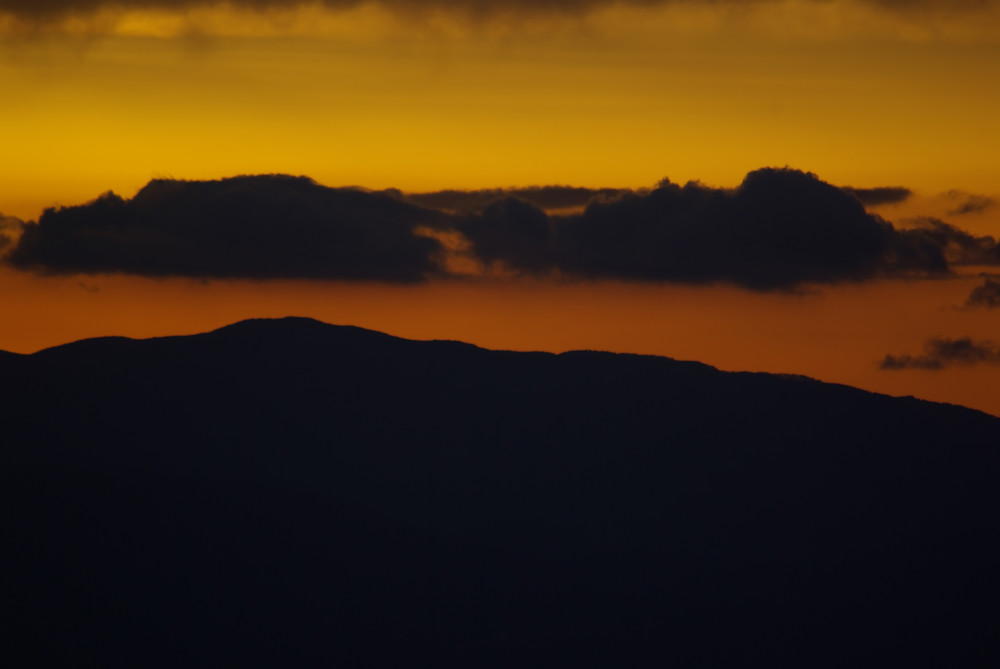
(969,203)
(958,246)
(871,197)
(546,197)
(986,295)
(941,353)
(10,230)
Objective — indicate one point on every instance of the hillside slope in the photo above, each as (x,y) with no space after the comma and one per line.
(285,492)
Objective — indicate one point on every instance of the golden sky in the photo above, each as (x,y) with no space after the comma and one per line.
(619,96)
(474,94)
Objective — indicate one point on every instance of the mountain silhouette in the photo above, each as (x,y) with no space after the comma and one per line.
(291,493)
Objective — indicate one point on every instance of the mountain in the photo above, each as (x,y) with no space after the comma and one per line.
(291,493)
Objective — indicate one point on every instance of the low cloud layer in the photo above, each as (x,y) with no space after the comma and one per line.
(941,353)
(244,227)
(778,229)
(986,295)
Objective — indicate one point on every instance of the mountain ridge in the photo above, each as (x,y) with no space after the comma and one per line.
(291,491)
(306,325)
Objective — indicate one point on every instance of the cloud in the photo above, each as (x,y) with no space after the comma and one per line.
(267,226)
(986,295)
(941,353)
(779,228)
(871,197)
(958,246)
(971,204)
(546,197)
(512,232)
(571,197)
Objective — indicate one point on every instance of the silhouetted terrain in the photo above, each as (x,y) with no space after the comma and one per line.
(288,493)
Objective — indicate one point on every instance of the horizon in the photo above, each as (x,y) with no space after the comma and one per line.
(286,319)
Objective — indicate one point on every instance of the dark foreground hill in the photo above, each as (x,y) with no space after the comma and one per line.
(289,493)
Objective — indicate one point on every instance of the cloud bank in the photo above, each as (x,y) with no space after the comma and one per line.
(941,353)
(269,226)
(778,229)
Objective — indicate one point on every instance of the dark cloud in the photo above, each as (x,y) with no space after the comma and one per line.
(44,8)
(957,245)
(252,227)
(570,197)
(779,228)
(546,197)
(871,197)
(971,204)
(511,231)
(941,353)
(986,295)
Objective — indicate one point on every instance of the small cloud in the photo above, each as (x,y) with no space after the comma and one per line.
(544,197)
(87,287)
(872,197)
(986,295)
(973,204)
(941,353)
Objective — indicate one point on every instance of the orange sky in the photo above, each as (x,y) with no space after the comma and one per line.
(835,334)
(614,97)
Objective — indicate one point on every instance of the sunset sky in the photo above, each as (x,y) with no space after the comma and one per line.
(868,261)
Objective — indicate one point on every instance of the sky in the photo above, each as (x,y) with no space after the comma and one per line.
(792,186)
